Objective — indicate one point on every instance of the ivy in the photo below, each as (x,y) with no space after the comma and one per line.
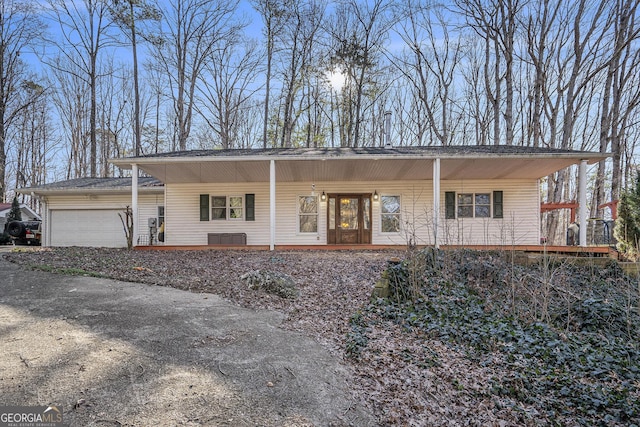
(578,360)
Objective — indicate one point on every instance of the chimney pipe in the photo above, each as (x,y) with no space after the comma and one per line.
(387,129)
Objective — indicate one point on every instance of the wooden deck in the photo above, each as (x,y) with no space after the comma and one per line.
(589,251)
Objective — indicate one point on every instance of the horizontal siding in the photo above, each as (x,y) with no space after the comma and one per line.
(182,213)
(520,224)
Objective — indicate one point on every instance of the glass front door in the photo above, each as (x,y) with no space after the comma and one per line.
(349,219)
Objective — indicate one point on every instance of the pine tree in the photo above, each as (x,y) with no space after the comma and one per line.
(14,214)
(627,229)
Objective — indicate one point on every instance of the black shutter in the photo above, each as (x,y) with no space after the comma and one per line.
(204,207)
(497,204)
(450,204)
(250,206)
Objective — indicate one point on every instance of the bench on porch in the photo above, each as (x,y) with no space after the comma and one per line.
(235,239)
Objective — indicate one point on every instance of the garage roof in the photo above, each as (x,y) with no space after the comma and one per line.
(95,185)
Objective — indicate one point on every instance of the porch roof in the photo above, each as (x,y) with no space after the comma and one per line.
(357,164)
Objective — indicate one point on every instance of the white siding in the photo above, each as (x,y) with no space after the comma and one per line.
(520,224)
(147,204)
(182,213)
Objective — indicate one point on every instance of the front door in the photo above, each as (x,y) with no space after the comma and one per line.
(349,219)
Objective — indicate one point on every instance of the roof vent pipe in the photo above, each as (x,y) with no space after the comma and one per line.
(387,129)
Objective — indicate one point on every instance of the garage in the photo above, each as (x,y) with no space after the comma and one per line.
(86,227)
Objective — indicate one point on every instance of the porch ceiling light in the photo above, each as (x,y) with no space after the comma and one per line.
(323,197)
(375,196)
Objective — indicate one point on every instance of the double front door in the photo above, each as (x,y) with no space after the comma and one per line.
(349,219)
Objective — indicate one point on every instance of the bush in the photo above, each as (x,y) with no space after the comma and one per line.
(272,282)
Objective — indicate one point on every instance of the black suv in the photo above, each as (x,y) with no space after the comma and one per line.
(25,232)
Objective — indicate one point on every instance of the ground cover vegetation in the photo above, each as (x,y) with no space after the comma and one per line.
(562,340)
(464,338)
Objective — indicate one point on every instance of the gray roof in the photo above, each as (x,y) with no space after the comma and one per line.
(420,151)
(93,184)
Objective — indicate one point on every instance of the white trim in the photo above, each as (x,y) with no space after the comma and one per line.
(272,205)
(134,202)
(582,209)
(436,201)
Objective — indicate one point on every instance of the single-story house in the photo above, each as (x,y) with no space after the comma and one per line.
(25,211)
(454,195)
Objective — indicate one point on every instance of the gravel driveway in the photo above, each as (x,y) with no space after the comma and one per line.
(117,353)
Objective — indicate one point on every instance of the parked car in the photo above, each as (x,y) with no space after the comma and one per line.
(25,232)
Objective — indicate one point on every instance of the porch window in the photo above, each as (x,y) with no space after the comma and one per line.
(307,214)
(390,214)
(227,207)
(218,207)
(471,205)
(235,207)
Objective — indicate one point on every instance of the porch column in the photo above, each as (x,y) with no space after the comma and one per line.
(134,201)
(272,205)
(436,201)
(582,203)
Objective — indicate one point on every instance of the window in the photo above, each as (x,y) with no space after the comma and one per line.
(308,214)
(482,205)
(227,207)
(160,215)
(235,207)
(390,214)
(218,207)
(472,205)
(465,205)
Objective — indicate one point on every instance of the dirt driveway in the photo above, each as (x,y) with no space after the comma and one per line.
(123,354)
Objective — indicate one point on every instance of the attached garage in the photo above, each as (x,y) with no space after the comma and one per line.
(86,228)
(84,211)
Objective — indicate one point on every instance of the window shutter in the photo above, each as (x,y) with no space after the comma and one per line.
(204,207)
(497,204)
(250,207)
(450,204)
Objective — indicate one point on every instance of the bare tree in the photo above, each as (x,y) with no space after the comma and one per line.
(70,98)
(31,148)
(359,31)
(19,28)
(231,73)
(299,35)
(275,14)
(620,97)
(187,36)
(85,31)
(128,14)
(431,65)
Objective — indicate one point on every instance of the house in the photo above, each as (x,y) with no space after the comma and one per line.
(272,198)
(27,214)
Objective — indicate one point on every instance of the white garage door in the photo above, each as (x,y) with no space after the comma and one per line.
(87,228)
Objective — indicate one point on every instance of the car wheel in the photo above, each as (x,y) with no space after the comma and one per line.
(15,229)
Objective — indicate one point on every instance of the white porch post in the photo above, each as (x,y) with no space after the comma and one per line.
(436,201)
(134,201)
(272,205)
(582,193)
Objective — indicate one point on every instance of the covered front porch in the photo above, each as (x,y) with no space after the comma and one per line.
(277,169)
